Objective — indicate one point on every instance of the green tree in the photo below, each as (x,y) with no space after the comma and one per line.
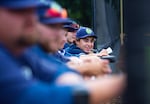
(79,10)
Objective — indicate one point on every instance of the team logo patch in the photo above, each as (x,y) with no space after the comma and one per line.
(88,31)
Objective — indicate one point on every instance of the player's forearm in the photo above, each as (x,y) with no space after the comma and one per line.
(69,78)
(105,89)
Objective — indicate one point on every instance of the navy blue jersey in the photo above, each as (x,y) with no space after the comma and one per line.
(61,57)
(19,86)
(73,50)
(67,45)
(45,66)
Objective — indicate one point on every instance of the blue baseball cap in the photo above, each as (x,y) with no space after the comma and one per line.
(84,32)
(71,27)
(19,4)
(52,13)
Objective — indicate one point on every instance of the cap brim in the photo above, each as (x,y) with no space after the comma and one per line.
(21,5)
(55,20)
(87,36)
(70,29)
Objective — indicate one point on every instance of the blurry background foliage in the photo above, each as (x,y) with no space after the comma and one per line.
(79,10)
(82,10)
